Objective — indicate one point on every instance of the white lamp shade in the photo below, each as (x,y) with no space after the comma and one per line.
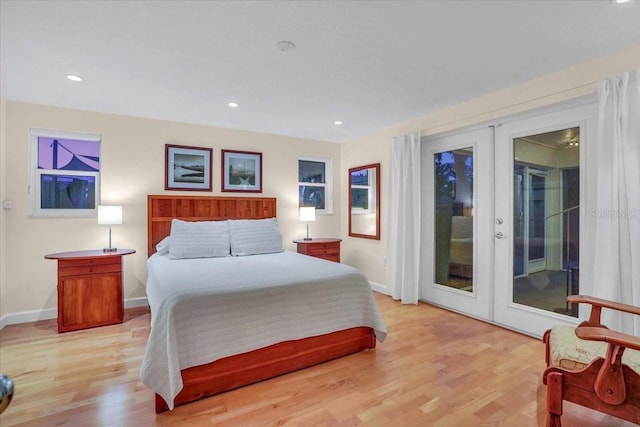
(307,213)
(109,215)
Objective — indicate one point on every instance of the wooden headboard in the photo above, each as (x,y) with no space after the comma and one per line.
(161,209)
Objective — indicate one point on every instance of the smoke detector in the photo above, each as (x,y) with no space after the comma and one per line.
(285,46)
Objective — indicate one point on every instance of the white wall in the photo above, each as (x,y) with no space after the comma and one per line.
(132,166)
(564,85)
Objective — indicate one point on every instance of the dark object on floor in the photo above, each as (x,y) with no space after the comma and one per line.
(6,392)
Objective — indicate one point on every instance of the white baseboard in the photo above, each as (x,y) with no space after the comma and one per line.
(380,288)
(136,302)
(28,316)
(52,313)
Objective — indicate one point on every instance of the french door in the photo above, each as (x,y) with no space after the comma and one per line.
(457,187)
(501,237)
(539,209)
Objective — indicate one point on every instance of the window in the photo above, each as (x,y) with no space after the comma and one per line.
(362,191)
(314,184)
(65,177)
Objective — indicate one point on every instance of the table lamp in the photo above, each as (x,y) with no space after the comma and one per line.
(109,215)
(308,214)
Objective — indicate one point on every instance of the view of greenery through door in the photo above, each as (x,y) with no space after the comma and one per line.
(453,177)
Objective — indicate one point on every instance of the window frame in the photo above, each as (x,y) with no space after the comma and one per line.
(327,185)
(35,190)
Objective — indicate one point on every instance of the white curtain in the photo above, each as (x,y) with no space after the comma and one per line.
(615,221)
(403,243)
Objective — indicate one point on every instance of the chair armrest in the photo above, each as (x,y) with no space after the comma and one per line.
(597,304)
(592,333)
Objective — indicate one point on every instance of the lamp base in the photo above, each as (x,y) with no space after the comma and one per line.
(109,250)
(307,238)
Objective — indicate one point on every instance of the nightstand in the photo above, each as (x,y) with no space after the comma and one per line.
(325,248)
(89,288)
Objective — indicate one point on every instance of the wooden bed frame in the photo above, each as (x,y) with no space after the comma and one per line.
(268,362)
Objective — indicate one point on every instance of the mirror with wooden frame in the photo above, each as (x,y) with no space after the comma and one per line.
(364,201)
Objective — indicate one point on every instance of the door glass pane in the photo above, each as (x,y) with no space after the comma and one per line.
(546,204)
(536,217)
(454,218)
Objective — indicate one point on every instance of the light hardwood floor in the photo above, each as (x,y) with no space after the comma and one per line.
(436,368)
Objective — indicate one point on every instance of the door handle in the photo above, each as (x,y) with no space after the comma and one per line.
(500,235)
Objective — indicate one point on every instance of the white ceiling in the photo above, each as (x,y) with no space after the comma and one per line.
(372,64)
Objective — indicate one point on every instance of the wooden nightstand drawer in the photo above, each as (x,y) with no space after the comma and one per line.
(89,269)
(324,248)
(75,267)
(78,262)
(329,257)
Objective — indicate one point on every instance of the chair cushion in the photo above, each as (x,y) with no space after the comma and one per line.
(567,351)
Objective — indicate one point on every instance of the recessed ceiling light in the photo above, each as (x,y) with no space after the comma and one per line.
(285,46)
(233,104)
(74,78)
(622,1)
(338,122)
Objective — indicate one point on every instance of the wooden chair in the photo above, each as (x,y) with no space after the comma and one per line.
(588,365)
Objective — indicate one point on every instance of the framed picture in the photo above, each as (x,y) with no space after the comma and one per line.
(187,168)
(241,171)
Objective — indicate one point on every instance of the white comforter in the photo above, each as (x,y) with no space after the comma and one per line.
(205,309)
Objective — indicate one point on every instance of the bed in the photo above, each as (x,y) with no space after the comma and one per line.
(244,318)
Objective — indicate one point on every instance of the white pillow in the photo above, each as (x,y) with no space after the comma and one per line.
(163,246)
(199,239)
(254,236)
